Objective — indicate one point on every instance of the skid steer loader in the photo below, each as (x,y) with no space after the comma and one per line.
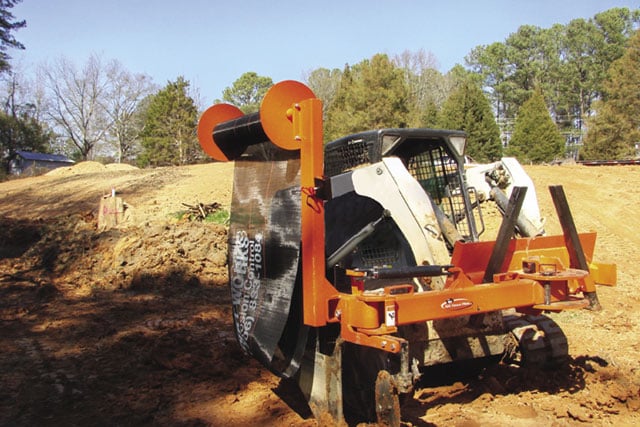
(354,265)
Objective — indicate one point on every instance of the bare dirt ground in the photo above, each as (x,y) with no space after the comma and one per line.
(132,325)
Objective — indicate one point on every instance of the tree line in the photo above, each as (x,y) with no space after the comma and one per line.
(101,111)
(525,97)
(533,96)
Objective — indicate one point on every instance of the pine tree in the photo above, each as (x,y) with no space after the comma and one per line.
(247,92)
(371,95)
(468,109)
(8,25)
(169,135)
(614,130)
(535,137)
(23,133)
(428,115)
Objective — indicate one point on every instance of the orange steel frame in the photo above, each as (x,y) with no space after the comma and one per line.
(292,118)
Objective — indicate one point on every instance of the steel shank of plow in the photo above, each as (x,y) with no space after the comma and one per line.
(387,400)
(572,242)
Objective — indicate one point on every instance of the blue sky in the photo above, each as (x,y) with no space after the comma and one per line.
(212,43)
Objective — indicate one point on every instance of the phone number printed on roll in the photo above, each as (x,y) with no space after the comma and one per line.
(246,269)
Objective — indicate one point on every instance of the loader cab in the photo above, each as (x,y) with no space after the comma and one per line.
(435,158)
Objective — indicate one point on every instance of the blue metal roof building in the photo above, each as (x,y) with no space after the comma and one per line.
(30,164)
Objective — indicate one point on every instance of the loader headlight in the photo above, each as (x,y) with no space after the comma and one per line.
(388,142)
(459,143)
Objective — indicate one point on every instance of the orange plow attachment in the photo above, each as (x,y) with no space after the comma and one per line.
(299,324)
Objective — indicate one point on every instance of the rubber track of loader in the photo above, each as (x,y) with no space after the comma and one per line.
(540,341)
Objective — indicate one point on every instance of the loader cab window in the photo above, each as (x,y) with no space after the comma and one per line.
(437,171)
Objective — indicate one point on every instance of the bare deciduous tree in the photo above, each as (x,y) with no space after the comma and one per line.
(21,95)
(76,102)
(425,82)
(325,84)
(20,124)
(125,92)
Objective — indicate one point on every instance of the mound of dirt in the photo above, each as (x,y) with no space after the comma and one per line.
(89,167)
(133,325)
(78,168)
(83,259)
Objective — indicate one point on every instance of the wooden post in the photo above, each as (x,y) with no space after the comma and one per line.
(110,213)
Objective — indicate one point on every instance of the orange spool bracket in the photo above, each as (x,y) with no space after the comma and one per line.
(275,116)
(208,121)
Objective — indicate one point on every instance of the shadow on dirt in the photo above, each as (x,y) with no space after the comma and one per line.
(17,236)
(115,357)
(49,246)
(135,351)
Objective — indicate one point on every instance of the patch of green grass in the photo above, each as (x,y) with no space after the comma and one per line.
(220,216)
